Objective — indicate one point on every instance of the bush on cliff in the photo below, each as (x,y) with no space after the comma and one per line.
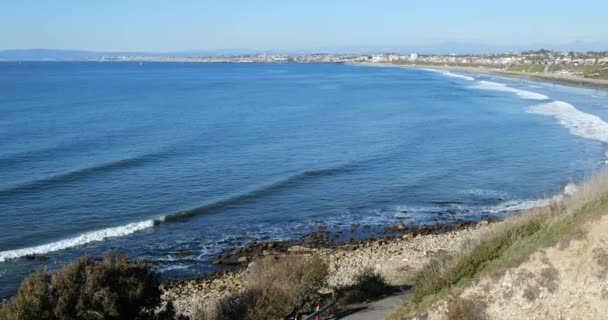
(367,285)
(275,288)
(113,288)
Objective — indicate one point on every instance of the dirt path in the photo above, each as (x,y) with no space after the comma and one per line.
(378,310)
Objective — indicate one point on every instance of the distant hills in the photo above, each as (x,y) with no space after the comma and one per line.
(65,55)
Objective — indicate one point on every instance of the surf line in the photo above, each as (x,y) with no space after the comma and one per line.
(130,228)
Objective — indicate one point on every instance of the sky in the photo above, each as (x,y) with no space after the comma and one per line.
(181,25)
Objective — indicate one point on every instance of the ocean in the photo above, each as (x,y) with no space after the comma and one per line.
(171,162)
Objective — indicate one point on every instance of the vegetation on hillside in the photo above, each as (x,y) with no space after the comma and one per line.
(112,288)
(534,68)
(368,285)
(507,245)
(275,287)
(585,71)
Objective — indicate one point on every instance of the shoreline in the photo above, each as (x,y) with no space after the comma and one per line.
(596,84)
(394,257)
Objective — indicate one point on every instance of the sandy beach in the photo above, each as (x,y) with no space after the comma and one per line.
(544,77)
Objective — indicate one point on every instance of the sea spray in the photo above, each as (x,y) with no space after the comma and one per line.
(451,74)
(579,123)
(495,86)
(82,239)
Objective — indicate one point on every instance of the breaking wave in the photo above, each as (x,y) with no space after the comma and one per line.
(569,190)
(501,207)
(88,237)
(451,74)
(495,86)
(121,231)
(579,123)
(255,192)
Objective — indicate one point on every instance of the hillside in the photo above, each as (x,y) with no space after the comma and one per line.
(548,263)
(564,281)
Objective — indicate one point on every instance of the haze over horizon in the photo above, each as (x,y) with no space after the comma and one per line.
(311,26)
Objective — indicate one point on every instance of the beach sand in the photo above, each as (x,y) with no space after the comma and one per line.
(550,77)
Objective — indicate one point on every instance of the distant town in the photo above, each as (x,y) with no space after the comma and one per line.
(592,65)
(585,64)
(541,57)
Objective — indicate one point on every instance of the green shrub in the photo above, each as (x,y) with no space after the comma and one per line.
(368,285)
(440,274)
(113,288)
(33,300)
(231,307)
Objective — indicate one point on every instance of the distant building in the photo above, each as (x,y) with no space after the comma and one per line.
(413,56)
(378,58)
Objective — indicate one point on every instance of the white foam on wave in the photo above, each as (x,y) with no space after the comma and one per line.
(496,86)
(486,193)
(579,123)
(451,74)
(568,191)
(173,267)
(506,206)
(459,76)
(522,205)
(88,237)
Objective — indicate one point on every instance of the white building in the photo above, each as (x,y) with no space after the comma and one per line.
(413,56)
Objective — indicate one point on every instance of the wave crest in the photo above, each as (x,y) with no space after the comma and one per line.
(82,173)
(495,86)
(253,193)
(451,74)
(579,123)
(88,237)
(121,231)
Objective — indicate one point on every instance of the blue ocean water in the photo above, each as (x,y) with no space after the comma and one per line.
(170,161)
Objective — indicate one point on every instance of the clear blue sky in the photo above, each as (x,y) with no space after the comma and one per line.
(157,25)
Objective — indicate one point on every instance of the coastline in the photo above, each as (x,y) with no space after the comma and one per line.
(596,84)
(395,258)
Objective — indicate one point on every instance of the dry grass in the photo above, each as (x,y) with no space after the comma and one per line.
(601,258)
(275,288)
(532,292)
(444,273)
(549,278)
(510,243)
(466,309)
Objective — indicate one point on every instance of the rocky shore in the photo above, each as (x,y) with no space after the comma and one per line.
(395,254)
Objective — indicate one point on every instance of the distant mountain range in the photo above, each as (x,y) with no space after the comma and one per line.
(440,48)
(56,54)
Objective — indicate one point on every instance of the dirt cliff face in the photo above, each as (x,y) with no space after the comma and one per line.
(568,280)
